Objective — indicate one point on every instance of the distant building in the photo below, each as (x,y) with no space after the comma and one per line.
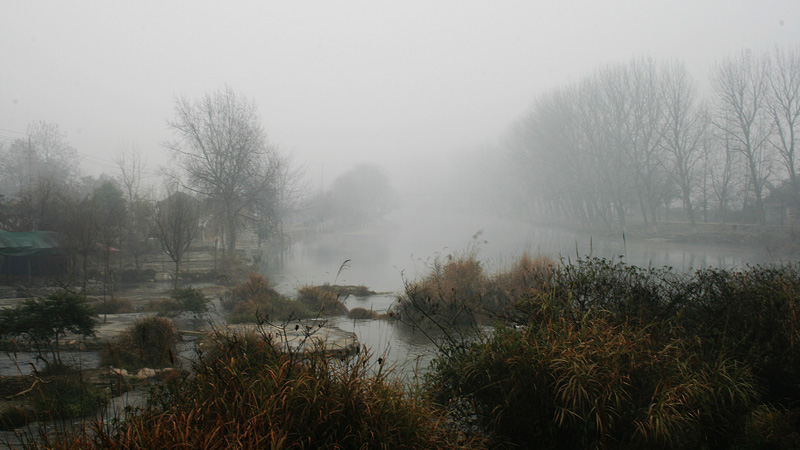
(782,205)
(31,253)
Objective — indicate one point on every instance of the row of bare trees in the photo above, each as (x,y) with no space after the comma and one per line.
(636,138)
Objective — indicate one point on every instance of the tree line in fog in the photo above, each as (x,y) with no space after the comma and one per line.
(226,178)
(637,139)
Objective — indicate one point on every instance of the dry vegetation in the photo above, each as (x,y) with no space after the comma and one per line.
(587,354)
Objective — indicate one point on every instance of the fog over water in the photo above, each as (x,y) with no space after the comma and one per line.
(403,245)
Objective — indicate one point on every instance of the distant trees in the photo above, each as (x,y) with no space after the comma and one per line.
(224,155)
(685,125)
(176,226)
(359,194)
(783,107)
(634,138)
(33,172)
(44,154)
(739,88)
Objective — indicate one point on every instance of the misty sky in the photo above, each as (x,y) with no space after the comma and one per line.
(341,82)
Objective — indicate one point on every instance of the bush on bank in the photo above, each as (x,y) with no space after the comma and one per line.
(148,342)
(607,355)
(256,301)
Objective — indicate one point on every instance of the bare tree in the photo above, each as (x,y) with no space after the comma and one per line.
(224,153)
(740,88)
(140,209)
(44,153)
(783,104)
(644,127)
(685,128)
(129,162)
(605,107)
(286,192)
(176,226)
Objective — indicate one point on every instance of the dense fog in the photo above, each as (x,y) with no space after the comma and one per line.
(388,136)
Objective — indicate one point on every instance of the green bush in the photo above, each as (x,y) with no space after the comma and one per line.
(44,321)
(149,342)
(190,299)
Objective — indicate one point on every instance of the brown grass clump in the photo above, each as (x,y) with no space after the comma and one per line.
(257,285)
(525,277)
(255,300)
(149,342)
(324,301)
(451,293)
(361,313)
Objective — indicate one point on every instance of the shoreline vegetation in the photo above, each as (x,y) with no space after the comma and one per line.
(586,353)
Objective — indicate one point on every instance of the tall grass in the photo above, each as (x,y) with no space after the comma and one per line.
(149,342)
(457,291)
(600,354)
(256,300)
(245,394)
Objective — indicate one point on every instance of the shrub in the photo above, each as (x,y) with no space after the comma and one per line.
(149,342)
(45,320)
(166,307)
(135,275)
(261,309)
(523,279)
(323,301)
(450,295)
(66,395)
(770,427)
(114,306)
(15,416)
(591,384)
(753,314)
(361,313)
(190,299)
(255,301)
(257,286)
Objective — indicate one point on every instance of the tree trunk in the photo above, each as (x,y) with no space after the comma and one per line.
(177,271)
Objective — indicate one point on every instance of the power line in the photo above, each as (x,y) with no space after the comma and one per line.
(12,131)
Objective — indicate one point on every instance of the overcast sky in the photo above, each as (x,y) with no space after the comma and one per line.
(341,82)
